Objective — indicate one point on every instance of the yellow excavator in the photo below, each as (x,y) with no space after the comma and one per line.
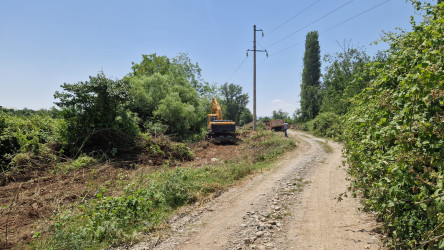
(220,130)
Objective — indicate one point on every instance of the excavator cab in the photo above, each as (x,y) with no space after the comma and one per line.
(220,130)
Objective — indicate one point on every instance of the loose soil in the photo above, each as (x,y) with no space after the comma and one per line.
(295,205)
(29,203)
(299,204)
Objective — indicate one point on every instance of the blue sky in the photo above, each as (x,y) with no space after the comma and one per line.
(44,44)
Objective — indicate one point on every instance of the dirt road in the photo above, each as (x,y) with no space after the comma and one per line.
(293,206)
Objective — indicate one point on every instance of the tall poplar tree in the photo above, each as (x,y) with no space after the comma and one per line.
(311,84)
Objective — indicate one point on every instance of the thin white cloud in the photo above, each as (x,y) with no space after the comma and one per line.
(275,105)
(283,103)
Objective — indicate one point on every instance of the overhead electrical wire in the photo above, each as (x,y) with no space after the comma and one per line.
(237,69)
(357,15)
(335,26)
(242,63)
(315,21)
(288,20)
(326,30)
(260,45)
(289,47)
(293,17)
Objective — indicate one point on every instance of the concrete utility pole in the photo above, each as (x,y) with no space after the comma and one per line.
(254,73)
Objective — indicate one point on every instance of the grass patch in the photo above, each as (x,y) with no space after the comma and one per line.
(327,148)
(150,199)
(296,187)
(79,163)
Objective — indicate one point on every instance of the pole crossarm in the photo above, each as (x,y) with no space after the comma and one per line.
(258,50)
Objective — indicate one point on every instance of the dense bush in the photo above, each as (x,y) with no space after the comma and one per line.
(394,137)
(170,92)
(96,115)
(326,124)
(343,79)
(111,220)
(158,151)
(27,135)
(234,104)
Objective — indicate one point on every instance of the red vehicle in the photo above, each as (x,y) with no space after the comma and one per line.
(276,125)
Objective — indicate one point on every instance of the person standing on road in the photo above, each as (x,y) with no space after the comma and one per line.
(285,128)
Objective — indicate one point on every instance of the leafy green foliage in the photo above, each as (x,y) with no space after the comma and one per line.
(245,117)
(158,151)
(234,102)
(393,136)
(177,107)
(111,220)
(96,115)
(105,220)
(182,119)
(21,133)
(341,80)
(170,92)
(326,124)
(311,86)
(83,161)
(177,67)
(280,115)
(148,91)
(268,145)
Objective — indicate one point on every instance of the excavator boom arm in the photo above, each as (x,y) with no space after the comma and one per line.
(216,109)
(219,129)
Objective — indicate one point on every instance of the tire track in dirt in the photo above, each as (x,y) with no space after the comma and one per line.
(320,221)
(292,206)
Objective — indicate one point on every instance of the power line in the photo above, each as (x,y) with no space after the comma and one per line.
(261,45)
(293,17)
(289,47)
(237,69)
(315,21)
(357,15)
(334,26)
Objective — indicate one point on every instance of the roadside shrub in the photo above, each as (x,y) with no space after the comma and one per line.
(267,145)
(305,126)
(26,135)
(326,125)
(393,137)
(166,96)
(96,115)
(160,150)
(111,220)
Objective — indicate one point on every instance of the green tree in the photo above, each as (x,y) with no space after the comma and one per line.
(153,96)
(181,118)
(340,74)
(280,115)
(148,91)
(234,102)
(245,117)
(96,114)
(297,116)
(178,67)
(157,77)
(311,74)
